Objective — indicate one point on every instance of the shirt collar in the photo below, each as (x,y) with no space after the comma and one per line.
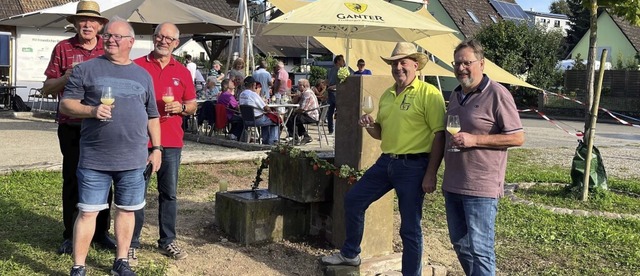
(483,84)
(151,58)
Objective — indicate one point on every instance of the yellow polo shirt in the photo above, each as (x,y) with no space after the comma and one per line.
(410,120)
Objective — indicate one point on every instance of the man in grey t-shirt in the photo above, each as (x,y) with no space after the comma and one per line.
(113,143)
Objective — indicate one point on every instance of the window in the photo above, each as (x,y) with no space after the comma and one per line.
(473,17)
(493,18)
(556,23)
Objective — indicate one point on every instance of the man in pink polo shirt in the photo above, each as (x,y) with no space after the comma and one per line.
(87,44)
(167,72)
(473,178)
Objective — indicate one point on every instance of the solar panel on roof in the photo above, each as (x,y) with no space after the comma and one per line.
(509,10)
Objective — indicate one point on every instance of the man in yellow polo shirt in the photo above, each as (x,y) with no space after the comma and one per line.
(410,123)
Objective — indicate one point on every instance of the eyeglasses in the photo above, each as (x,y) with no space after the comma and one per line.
(465,64)
(167,39)
(116,37)
(361,64)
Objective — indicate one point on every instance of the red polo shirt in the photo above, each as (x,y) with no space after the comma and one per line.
(178,77)
(62,59)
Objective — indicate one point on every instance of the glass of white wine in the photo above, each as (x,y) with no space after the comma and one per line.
(167,97)
(453,127)
(107,98)
(77,59)
(367,107)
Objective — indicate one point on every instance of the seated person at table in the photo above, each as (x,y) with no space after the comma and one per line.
(210,91)
(320,90)
(270,130)
(307,112)
(227,99)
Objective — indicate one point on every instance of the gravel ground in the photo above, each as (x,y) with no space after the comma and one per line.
(32,143)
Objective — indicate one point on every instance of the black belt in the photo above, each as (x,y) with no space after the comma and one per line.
(256,117)
(407,156)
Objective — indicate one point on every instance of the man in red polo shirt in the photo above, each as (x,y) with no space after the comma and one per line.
(167,73)
(87,44)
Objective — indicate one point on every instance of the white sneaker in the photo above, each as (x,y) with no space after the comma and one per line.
(233,137)
(338,259)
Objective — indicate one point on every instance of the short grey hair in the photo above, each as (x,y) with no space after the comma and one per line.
(474,44)
(157,30)
(120,19)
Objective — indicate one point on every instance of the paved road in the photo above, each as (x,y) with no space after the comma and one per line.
(33,143)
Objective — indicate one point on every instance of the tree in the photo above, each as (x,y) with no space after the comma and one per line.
(509,45)
(630,11)
(560,7)
(579,23)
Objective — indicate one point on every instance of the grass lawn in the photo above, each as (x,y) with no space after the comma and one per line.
(529,241)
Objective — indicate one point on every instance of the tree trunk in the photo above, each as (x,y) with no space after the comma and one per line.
(591,66)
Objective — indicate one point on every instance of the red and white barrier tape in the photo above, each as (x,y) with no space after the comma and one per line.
(578,134)
(621,121)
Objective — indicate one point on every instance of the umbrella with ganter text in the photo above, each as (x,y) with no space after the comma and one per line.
(361,19)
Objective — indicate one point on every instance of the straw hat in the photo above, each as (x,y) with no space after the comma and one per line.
(407,50)
(87,8)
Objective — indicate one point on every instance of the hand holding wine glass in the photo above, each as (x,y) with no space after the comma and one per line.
(77,59)
(367,107)
(167,97)
(453,127)
(107,98)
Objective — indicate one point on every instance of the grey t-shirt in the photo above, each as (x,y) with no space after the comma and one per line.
(122,143)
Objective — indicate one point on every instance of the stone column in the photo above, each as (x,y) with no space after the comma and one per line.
(354,147)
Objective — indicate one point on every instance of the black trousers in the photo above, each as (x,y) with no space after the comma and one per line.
(300,120)
(69,138)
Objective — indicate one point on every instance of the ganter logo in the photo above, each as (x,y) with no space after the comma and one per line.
(356,7)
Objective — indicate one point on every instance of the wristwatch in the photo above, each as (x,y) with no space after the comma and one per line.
(184,108)
(160,148)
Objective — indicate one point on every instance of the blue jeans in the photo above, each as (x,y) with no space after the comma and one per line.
(471,222)
(405,176)
(332,110)
(270,131)
(167,200)
(94,187)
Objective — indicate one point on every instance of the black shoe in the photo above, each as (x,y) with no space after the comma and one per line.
(121,268)
(306,140)
(78,271)
(104,241)
(66,247)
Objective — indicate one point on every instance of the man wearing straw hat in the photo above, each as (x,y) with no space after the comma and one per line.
(410,124)
(86,44)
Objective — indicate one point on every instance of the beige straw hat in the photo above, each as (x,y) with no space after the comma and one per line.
(87,8)
(407,50)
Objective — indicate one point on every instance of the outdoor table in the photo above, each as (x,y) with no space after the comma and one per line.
(7,92)
(289,108)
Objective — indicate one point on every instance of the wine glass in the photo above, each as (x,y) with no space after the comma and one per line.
(107,98)
(77,59)
(453,127)
(367,107)
(167,97)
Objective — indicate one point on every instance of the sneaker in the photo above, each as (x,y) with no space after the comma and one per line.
(132,257)
(121,268)
(172,250)
(306,140)
(338,259)
(78,271)
(233,137)
(66,247)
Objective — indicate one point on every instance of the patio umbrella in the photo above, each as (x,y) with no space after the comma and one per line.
(355,19)
(142,14)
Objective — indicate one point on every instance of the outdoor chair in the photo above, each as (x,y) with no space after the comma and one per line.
(36,95)
(251,130)
(319,124)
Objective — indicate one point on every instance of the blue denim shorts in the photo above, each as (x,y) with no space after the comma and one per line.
(94,185)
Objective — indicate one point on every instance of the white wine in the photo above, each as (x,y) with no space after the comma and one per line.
(107,101)
(453,130)
(367,109)
(167,99)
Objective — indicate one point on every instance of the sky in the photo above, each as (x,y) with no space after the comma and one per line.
(537,5)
